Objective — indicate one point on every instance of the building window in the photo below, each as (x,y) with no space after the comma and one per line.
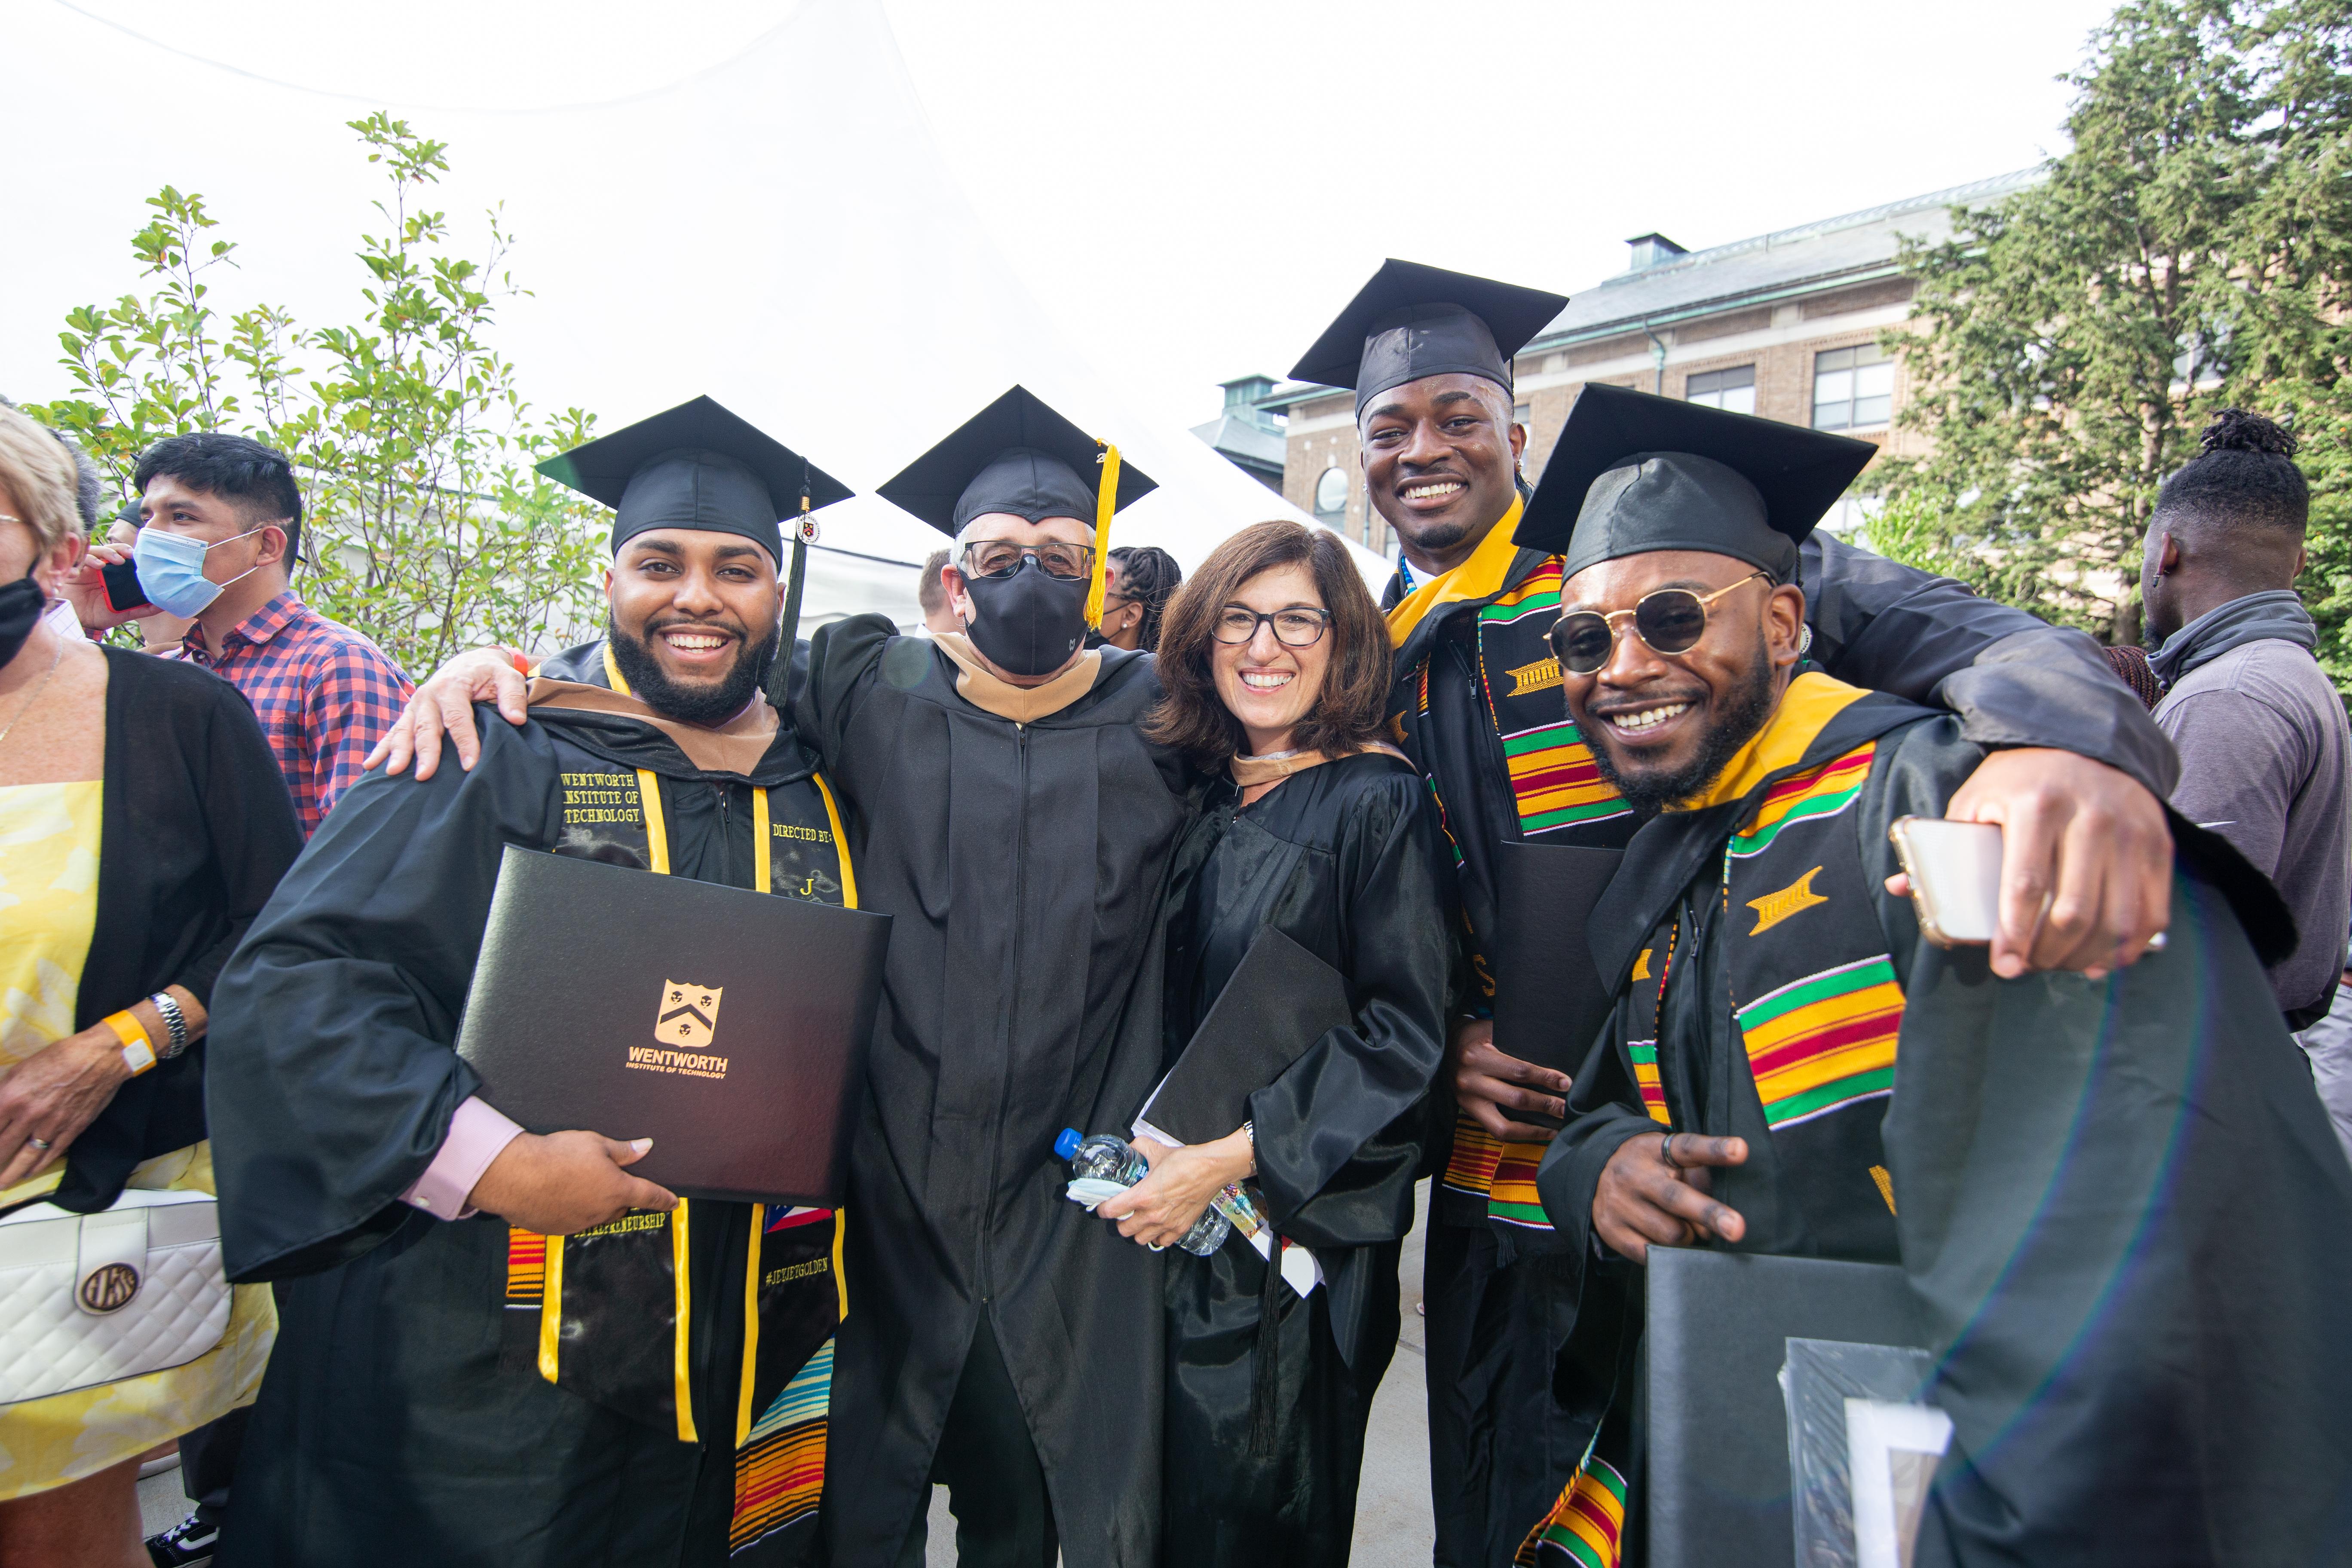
(1734,389)
(1524,415)
(1852,388)
(1331,497)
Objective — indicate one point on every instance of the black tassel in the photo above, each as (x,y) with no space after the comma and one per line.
(780,674)
(1266,1356)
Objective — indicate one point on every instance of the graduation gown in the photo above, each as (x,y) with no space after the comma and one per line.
(1343,858)
(2105,1192)
(1023,862)
(405,1414)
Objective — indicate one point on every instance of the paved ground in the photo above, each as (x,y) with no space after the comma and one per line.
(1393,1522)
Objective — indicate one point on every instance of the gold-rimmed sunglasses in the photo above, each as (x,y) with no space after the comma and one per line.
(1670,621)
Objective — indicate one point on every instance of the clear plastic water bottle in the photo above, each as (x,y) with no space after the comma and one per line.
(1112,1160)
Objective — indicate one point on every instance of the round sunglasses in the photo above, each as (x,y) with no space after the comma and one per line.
(1671,621)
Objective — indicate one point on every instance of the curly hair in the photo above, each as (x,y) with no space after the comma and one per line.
(1148,576)
(1192,719)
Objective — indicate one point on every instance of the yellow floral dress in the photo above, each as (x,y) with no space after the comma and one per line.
(48,910)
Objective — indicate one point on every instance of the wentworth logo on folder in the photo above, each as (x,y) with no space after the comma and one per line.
(556,1029)
(688,1016)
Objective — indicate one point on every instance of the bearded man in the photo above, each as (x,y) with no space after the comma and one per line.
(2075,768)
(2104,1193)
(409,1414)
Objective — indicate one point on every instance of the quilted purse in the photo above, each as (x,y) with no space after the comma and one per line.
(93,1299)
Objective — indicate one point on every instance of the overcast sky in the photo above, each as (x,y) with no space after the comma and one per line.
(1187,191)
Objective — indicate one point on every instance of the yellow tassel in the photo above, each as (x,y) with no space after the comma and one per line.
(1105,503)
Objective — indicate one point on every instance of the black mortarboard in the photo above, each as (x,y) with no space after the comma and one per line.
(1633,473)
(1015,455)
(1412,321)
(699,466)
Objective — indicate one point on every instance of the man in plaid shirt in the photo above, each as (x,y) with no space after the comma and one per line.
(323,692)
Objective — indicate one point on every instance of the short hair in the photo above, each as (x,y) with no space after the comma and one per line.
(234,466)
(929,592)
(1192,719)
(39,474)
(2245,477)
(1148,576)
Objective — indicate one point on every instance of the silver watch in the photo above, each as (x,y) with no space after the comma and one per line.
(175,1021)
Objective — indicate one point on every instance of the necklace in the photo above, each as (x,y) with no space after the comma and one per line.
(35,695)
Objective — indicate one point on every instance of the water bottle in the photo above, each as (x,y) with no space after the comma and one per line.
(1112,1162)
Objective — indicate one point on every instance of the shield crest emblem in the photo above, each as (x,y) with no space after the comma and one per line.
(687,1018)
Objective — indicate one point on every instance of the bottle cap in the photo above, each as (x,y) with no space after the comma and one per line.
(1067,1143)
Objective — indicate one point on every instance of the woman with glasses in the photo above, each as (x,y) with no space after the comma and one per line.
(1275,668)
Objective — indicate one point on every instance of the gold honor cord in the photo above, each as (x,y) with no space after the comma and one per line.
(840,845)
(750,1322)
(551,1308)
(1105,503)
(762,873)
(681,1337)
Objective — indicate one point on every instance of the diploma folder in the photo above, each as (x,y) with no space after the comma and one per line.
(727,1026)
(1719,1325)
(1549,1004)
(1280,1000)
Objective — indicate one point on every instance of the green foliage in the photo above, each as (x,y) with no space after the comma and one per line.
(423,522)
(2192,251)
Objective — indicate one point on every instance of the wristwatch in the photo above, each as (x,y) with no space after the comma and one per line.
(1249,1131)
(175,1021)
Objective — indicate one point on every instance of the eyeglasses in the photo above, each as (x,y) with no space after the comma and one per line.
(1297,626)
(1001,558)
(1671,621)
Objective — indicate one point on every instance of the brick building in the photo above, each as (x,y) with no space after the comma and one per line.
(1785,325)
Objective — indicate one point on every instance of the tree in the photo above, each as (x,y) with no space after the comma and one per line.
(2192,250)
(425,524)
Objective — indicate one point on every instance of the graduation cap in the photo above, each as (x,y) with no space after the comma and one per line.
(699,466)
(1412,322)
(1633,473)
(696,466)
(1020,458)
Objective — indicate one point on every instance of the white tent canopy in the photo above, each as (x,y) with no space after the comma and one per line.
(889,315)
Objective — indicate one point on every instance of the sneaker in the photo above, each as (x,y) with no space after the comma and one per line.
(185,1545)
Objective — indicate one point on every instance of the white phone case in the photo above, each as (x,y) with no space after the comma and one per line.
(1954,871)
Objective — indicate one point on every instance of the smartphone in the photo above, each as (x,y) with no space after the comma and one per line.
(119,582)
(1954,871)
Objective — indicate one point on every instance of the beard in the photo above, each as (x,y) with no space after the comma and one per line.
(697,704)
(1743,711)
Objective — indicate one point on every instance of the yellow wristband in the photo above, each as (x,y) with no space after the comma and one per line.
(138,1051)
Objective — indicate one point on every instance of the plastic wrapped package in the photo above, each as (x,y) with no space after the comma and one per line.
(1863,1449)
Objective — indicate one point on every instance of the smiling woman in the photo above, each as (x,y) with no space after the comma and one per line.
(1272,646)
(1275,668)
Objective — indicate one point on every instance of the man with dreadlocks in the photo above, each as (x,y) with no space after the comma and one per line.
(2259,726)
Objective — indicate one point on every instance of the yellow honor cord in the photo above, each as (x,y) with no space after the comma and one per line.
(751,1326)
(763,876)
(551,1308)
(657,833)
(682,1365)
(840,1279)
(620,682)
(1105,503)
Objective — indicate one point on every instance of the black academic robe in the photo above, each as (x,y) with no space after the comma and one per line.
(1022,864)
(397,1423)
(1344,860)
(2105,1192)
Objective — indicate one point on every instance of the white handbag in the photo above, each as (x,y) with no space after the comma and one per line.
(93,1299)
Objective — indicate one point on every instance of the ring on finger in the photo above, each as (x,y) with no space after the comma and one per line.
(43,1145)
(1666,1152)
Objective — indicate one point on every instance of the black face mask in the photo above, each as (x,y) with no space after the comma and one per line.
(1029,623)
(21,604)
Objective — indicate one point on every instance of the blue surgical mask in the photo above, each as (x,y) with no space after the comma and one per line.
(172,570)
